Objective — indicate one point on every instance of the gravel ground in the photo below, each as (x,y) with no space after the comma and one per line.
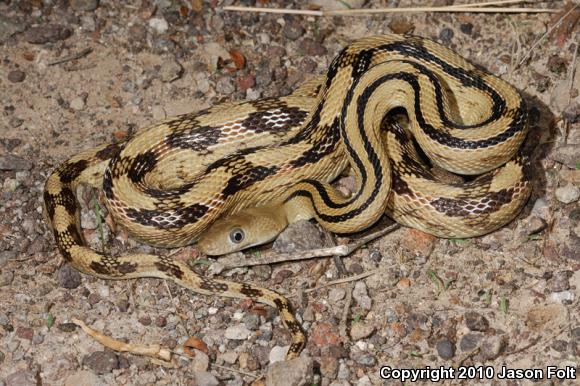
(78,73)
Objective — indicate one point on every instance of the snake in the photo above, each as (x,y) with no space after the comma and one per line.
(172,181)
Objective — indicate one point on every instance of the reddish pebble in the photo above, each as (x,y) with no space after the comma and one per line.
(399,329)
(25,333)
(419,243)
(246,81)
(404,283)
(160,321)
(324,334)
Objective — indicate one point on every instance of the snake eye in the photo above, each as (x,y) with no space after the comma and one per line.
(237,235)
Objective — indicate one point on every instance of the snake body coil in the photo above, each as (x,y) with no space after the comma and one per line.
(170,182)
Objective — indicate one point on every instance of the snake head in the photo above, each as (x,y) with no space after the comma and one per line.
(244,229)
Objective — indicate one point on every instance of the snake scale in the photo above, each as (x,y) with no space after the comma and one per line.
(170,182)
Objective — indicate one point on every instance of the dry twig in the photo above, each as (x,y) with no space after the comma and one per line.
(471,8)
(340,250)
(78,55)
(154,351)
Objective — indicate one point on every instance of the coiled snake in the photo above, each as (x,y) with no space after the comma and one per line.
(171,181)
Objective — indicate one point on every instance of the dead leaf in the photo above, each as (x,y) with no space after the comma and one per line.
(194,343)
(184,11)
(238,58)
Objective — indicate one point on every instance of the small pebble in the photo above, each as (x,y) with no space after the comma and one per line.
(470,341)
(229,357)
(9,26)
(361,296)
(88,23)
(296,372)
(77,104)
(293,30)
(401,26)
(14,162)
(361,330)
(83,377)
(492,347)
(336,294)
(159,25)
(562,297)
(313,48)
(299,236)
(567,154)
(22,378)
(568,194)
(68,277)
(200,362)
(251,321)
(15,122)
(572,114)
(84,5)
(560,282)
(225,85)
(253,94)
(466,28)
(16,76)
(102,362)
(160,321)
(37,339)
(237,332)
(476,321)
(541,209)
(6,278)
(535,225)
(446,35)
(204,378)
(145,320)
(67,327)
(170,71)
(246,82)
(445,349)
(277,354)
(25,333)
(5,256)
(364,359)
(47,34)
(560,345)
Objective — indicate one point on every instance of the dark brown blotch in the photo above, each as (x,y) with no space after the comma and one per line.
(69,171)
(100,268)
(169,268)
(177,218)
(251,292)
(142,164)
(275,121)
(109,152)
(127,267)
(197,138)
(246,178)
(212,286)
(49,204)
